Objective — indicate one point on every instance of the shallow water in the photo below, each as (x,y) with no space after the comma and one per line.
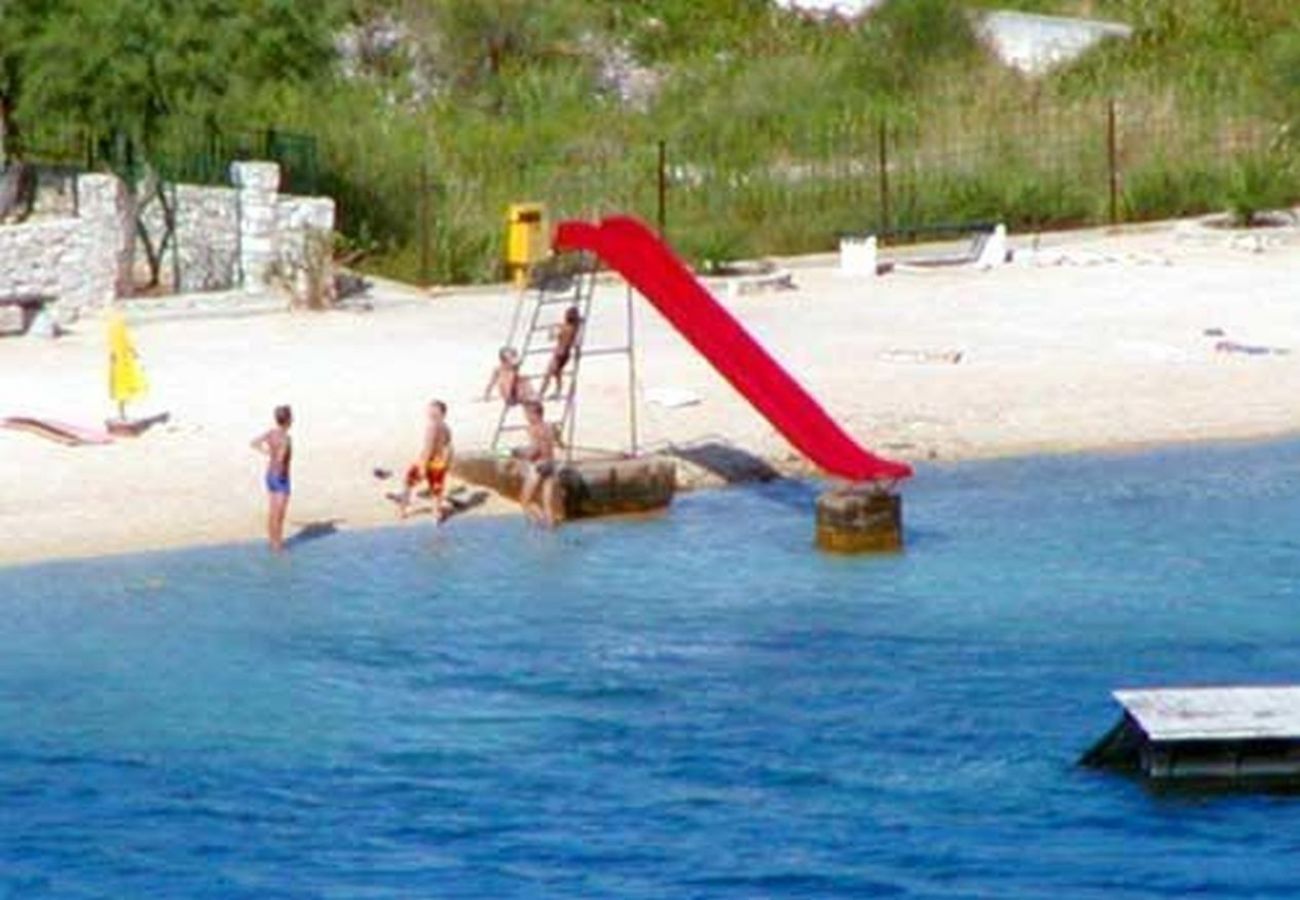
(694,706)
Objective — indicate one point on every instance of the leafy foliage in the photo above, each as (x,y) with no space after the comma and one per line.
(137,67)
(774,122)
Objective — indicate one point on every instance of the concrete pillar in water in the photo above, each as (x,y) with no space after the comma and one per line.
(860,519)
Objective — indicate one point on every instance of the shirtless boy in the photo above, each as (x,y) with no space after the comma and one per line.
(278,447)
(513,387)
(433,464)
(540,479)
(565,340)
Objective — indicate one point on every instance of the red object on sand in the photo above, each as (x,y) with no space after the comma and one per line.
(633,250)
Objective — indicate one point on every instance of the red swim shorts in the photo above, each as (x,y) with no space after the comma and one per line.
(435,472)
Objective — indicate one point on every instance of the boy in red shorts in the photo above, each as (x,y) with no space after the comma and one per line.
(433,464)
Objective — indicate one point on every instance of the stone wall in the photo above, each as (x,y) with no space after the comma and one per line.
(33,257)
(225,237)
(258,184)
(205,254)
(296,218)
(81,261)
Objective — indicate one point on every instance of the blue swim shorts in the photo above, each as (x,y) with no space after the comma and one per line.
(277,484)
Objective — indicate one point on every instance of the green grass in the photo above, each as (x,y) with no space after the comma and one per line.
(773,129)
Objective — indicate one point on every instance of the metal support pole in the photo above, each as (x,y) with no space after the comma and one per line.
(425,278)
(883,157)
(663,191)
(631,373)
(1112,161)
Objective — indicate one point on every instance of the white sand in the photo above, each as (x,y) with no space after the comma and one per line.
(1103,351)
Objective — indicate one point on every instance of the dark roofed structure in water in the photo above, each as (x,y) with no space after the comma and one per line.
(1214,734)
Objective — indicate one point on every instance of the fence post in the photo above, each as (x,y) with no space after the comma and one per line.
(662,209)
(883,158)
(425,254)
(1112,162)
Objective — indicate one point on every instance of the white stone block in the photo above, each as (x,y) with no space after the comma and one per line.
(995,249)
(255,176)
(12,320)
(859,256)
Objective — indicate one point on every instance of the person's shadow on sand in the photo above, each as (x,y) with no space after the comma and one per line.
(312,531)
(459,500)
(463,500)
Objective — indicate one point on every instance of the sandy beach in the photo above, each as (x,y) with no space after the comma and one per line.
(1089,341)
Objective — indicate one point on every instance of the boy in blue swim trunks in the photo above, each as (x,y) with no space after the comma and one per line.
(278,448)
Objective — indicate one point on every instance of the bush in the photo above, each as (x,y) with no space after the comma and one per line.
(1164,189)
(1259,184)
(772,126)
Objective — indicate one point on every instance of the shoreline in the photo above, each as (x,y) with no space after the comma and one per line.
(496,507)
(1094,343)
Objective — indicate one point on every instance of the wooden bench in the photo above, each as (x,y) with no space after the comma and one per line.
(17,312)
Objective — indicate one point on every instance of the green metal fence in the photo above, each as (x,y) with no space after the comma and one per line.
(730,194)
(436,214)
(198,155)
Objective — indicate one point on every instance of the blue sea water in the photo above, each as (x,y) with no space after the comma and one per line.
(693,706)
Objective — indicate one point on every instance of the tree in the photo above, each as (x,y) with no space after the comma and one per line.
(134,67)
(19,21)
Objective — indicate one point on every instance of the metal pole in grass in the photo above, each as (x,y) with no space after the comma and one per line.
(883,157)
(1112,161)
(424,222)
(662,216)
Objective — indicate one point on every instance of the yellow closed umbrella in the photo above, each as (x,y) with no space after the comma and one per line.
(126,379)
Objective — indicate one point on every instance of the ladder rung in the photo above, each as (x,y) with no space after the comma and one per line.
(579,294)
(577,351)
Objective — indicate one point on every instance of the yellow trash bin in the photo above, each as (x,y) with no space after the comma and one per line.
(526,238)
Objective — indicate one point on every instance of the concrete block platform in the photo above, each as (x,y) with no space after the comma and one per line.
(590,488)
(860,519)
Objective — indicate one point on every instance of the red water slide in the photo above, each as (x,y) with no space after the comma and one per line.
(633,250)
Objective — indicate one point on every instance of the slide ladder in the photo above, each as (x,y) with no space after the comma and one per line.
(635,252)
(532,335)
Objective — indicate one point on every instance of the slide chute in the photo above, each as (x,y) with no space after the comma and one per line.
(635,252)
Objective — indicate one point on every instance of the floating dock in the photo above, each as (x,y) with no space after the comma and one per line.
(591,487)
(1215,735)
